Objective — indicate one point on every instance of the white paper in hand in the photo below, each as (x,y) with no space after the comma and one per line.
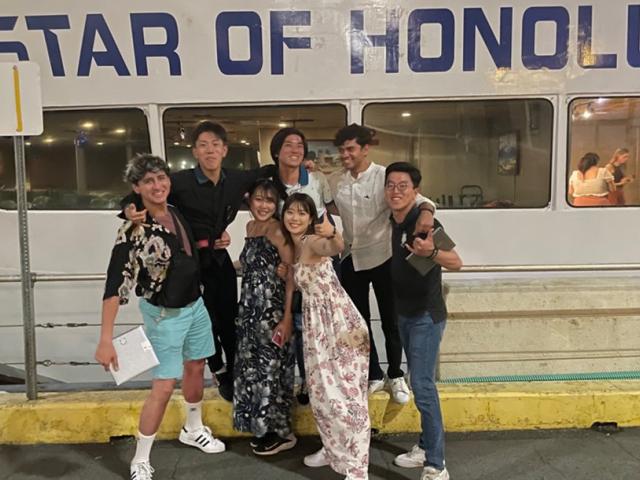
(135,355)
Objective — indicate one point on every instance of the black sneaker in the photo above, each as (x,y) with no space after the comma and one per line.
(255,441)
(303,395)
(273,443)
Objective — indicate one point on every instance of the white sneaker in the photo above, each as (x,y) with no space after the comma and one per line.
(318,459)
(414,458)
(430,473)
(202,439)
(375,386)
(141,471)
(399,390)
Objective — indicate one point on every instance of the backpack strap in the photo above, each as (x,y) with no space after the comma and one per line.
(179,229)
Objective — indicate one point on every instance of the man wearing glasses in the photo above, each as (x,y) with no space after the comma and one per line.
(422,312)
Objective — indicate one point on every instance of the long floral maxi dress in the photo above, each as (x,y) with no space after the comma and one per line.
(336,356)
(264,375)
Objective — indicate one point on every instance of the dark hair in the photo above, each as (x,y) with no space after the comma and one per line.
(404,167)
(279,138)
(142,164)
(269,189)
(361,134)
(587,161)
(208,126)
(307,204)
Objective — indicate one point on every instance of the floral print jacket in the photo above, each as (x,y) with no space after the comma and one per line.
(140,259)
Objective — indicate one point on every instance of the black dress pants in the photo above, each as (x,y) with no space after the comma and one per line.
(357,285)
(220,296)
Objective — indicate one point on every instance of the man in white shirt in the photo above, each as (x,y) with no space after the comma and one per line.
(289,149)
(358,193)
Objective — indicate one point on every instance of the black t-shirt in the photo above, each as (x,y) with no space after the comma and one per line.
(209,208)
(414,293)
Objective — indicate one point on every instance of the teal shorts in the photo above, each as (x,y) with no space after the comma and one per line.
(177,335)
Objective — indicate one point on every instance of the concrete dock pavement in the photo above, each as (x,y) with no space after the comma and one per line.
(523,455)
(520,431)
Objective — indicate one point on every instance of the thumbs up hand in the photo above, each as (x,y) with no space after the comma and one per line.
(324,228)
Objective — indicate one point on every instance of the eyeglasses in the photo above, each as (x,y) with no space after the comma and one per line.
(401,187)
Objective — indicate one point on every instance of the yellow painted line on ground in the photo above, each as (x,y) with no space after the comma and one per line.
(16,91)
(88,417)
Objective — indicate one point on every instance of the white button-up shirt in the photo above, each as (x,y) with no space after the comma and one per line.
(365,216)
(316,187)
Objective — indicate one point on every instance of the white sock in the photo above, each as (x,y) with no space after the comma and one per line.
(194,416)
(143,448)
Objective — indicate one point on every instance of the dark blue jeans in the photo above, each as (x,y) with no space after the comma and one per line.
(421,341)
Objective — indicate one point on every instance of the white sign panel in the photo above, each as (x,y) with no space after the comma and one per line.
(20,99)
(162,51)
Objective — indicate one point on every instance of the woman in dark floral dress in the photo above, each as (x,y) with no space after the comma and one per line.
(264,368)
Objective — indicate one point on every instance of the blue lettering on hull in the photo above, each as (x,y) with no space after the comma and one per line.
(473,26)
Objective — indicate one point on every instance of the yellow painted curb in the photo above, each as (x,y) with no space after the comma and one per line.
(88,417)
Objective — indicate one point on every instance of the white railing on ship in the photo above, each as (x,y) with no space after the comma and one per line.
(598,267)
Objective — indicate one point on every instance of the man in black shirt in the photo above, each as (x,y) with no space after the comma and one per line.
(421,310)
(209,196)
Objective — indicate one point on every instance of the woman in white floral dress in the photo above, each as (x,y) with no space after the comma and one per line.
(336,344)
